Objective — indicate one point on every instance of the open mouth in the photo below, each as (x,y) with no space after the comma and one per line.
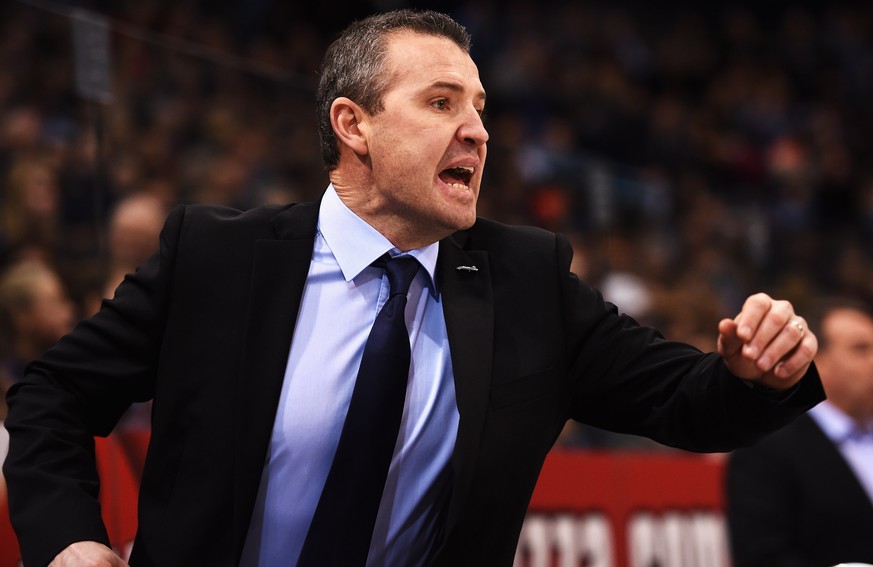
(458,177)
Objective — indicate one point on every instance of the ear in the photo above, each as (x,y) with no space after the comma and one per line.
(346,118)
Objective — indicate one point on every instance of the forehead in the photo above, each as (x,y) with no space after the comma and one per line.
(419,58)
(847,325)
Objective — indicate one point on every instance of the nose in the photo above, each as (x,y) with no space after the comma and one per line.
(472,131)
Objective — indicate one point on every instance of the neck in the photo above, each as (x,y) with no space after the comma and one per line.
(367,203)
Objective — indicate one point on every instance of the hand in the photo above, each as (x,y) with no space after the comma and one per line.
(87,554)
(767,343)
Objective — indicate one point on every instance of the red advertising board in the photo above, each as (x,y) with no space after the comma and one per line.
(630,509)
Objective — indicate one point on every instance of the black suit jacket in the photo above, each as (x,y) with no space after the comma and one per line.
(205,326)
(794,501)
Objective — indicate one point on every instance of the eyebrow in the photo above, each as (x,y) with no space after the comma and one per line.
(452,86)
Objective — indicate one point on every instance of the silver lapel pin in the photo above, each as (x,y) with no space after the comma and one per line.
(467,269)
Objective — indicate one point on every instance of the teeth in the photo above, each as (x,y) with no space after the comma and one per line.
(467,168)
(459,186)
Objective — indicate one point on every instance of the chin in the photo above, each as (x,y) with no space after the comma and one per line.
(469,223)
(465,222)
(454,218)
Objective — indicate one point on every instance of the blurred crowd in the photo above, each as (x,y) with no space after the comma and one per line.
(693,154)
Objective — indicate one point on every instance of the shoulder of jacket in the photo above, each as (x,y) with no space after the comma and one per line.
(222,214)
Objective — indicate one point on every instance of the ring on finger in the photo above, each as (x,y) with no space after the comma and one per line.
(799,326)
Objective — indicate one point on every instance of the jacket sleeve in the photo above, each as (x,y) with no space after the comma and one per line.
(628,378)
(77,390)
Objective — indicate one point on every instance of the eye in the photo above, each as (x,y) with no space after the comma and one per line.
(440,104)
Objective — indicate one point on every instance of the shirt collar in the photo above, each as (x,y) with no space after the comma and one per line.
(836,424)
(355,244)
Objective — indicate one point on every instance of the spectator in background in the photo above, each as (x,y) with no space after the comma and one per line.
(34,313)
(804,496)
(134,227)
(29,221)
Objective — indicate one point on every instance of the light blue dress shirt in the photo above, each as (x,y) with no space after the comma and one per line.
(342,296)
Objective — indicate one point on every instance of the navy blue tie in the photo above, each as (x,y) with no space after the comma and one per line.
(344,519)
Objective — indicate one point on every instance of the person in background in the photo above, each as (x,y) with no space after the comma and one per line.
(35,312)
(803,497)
(251,331)
(134,227)
(30,217)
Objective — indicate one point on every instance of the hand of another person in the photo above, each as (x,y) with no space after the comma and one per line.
(87,554)
(767,343)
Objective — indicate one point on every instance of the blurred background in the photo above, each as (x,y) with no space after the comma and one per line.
(693,154)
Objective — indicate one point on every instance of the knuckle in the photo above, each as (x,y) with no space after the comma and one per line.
(754,300)
(783,310)
(806,350)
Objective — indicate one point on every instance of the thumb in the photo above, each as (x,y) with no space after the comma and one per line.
(729,343)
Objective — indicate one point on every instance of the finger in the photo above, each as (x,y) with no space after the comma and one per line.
(751,315)
(730,347)
(729,344)
(797,361)
(785,340)
(770,327)
(87,553)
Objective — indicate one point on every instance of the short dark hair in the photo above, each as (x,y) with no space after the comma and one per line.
(353,66)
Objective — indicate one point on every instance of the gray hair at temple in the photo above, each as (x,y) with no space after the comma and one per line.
(353,66)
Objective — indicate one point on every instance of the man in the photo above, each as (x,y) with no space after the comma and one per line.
(35,312)
(248,329)
(804,496)
(134,227)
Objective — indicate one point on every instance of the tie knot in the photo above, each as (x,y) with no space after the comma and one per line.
(401,270)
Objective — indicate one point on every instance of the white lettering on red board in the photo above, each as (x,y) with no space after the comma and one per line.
(668,539)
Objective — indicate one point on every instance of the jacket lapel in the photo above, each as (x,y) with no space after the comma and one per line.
(469,312)
(826,455)
(279,270)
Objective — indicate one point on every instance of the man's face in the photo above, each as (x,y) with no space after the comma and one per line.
(427,147)
(50,315)
(846,363)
